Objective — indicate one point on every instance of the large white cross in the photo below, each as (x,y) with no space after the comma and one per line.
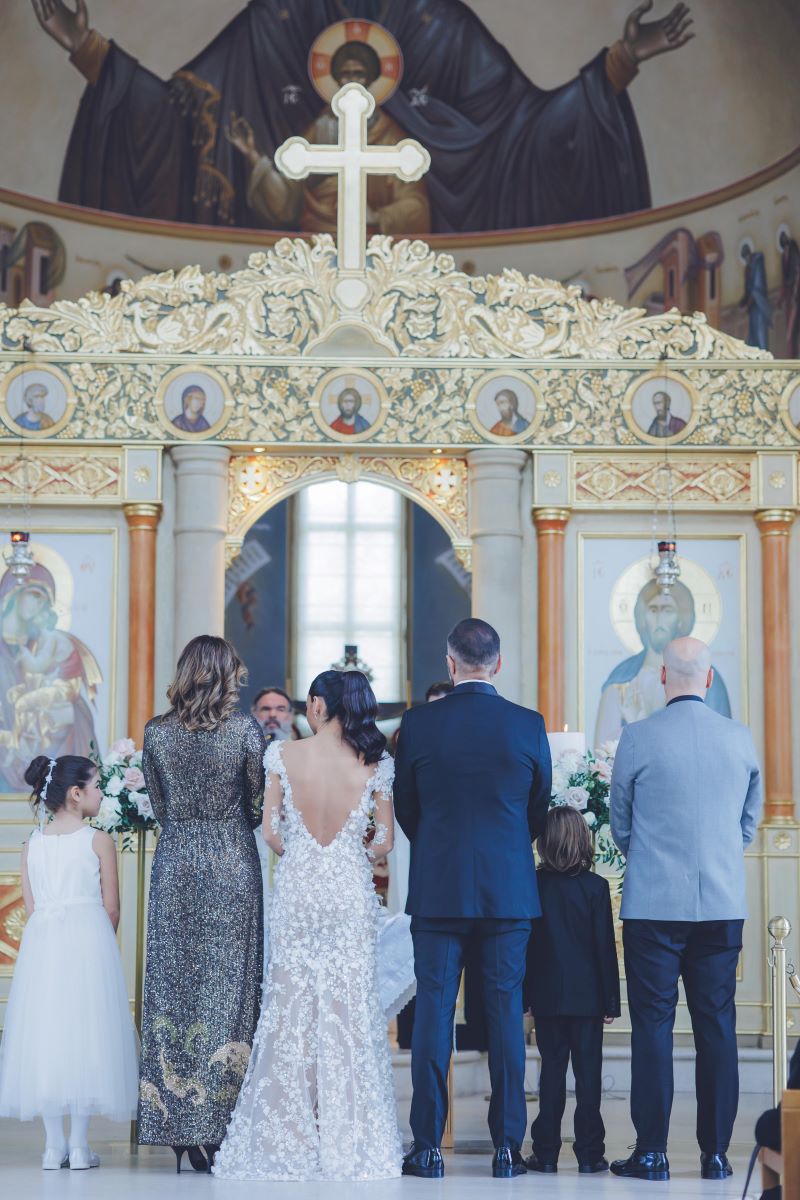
(352,160)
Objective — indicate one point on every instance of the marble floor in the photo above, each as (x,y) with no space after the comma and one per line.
(150,1174)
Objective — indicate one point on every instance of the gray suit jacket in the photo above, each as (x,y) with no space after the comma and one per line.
(685,801)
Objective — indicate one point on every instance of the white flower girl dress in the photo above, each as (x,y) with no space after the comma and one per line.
(69,1045)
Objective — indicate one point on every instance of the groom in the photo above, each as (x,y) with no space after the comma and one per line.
(471,792)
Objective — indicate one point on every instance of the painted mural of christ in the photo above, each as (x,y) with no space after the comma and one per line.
(159,149)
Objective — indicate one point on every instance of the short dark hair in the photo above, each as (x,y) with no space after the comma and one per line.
(443,688)
(566,844)
(265,692)
(474,643)
(362,53)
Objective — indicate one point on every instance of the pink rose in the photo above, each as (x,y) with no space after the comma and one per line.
(602,770)
(133,779)
(125,747)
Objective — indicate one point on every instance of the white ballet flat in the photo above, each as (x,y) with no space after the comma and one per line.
(82,1158)
(54,1160)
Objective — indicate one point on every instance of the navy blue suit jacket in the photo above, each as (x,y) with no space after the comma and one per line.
(471,792)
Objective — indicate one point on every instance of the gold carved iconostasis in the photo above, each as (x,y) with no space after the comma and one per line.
(547,435)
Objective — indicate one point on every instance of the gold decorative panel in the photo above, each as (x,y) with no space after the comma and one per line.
(12,920)
(62,476)
(708,481)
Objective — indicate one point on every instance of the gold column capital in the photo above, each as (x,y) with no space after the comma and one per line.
(550,520)
(775,522)
(142,516)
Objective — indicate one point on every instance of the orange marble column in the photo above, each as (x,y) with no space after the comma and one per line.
(775,526)
(142,526)
(551,524)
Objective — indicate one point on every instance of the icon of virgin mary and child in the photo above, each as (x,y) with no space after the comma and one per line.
(48,679)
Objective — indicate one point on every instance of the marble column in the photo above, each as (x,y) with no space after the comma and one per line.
(142,528)
(496,532)
(551,524)
(201,522)
(775,526)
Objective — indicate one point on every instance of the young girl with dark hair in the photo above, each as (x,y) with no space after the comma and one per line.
(572,987)
(68,970)
(318,1099)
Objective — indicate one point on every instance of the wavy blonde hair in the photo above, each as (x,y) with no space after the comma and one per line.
(205,690)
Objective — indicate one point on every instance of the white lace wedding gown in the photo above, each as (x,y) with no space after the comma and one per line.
(318,1100)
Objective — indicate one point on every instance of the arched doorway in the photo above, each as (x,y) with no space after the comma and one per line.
(339,564)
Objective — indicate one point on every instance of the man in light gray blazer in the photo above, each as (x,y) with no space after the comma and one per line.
(685,801)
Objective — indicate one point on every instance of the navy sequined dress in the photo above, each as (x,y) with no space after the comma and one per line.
(202,984)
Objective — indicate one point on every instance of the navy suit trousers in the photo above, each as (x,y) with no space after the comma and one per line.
(440,948)
(704,954)
(559,1039)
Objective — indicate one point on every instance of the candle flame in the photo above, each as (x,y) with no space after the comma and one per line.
(566,729)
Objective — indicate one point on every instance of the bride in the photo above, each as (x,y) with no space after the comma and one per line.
(318,1099)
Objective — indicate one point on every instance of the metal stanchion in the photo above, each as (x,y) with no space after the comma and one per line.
(779,929)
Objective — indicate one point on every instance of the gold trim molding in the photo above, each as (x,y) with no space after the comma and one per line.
(257,482)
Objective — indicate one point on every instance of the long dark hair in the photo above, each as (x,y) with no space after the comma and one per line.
(71,770)
(349,698)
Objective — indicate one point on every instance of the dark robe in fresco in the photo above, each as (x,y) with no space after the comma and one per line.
(504,153)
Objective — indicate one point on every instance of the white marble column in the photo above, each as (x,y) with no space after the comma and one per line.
(496,532)
(201,522)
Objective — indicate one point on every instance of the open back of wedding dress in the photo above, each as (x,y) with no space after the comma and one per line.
(318,1099)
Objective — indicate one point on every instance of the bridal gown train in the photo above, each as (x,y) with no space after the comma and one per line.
(318,1098)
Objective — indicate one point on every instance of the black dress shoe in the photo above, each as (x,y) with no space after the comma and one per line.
(507,1163)
(534,1163)
(715,1166)
(425,1164)
(593,1168)
(652,1164)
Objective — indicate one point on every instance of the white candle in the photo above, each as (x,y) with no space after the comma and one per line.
(565,743)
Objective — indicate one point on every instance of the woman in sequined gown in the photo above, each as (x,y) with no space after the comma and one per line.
(318,1100)
(203,768)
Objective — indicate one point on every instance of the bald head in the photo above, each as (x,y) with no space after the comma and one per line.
(687,668)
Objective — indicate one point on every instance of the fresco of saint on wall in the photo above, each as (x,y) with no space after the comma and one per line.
(199,146)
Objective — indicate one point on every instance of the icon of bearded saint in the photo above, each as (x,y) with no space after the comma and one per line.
(159,149)
(48,679)
(633,690)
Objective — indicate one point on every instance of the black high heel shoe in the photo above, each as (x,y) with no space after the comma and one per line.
(196,1158)
(211,1152)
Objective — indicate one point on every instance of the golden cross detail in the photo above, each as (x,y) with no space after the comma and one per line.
(352,160)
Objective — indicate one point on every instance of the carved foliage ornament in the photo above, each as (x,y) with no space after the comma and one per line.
(417,304)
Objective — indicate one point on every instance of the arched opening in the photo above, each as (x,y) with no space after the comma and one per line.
(345,564)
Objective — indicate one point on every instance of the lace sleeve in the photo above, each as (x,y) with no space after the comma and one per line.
(383,840)
(273,799)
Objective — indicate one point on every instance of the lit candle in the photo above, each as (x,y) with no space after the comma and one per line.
(566,743)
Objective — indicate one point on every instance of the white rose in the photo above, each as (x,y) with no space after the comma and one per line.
(142,802)
(590,819)
(570,762)
(109,815)
(112,759)
(560,780)
(576,797)
(114,786)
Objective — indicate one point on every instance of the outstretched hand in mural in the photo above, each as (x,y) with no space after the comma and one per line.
(646,39)
(69,27)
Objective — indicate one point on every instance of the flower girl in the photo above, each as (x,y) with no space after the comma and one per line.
(69,1046)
